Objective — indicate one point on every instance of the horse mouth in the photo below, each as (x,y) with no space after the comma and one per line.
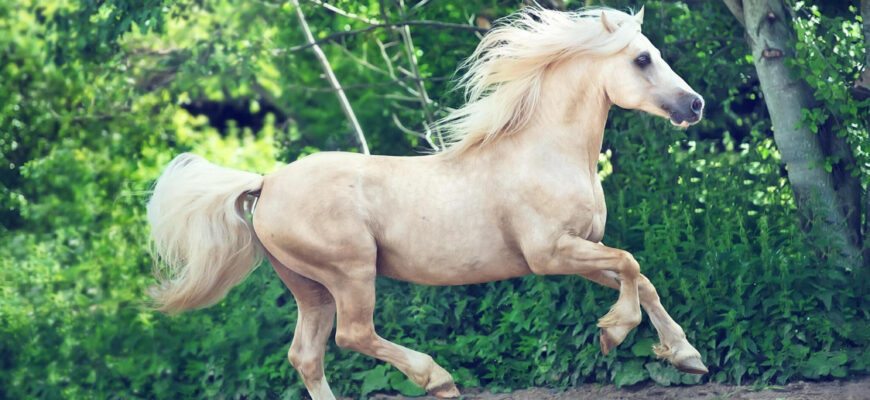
(680,122)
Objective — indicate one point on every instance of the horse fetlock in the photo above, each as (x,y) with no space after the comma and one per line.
(616,325)
(683,356)
(311,368)
(621,314)
(662,350)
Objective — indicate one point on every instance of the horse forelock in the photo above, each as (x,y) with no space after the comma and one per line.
(504,75)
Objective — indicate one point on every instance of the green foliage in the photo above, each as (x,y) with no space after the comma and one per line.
(90,29)
(707,211)
(829,54)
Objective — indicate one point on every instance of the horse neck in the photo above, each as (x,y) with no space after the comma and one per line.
(568,125)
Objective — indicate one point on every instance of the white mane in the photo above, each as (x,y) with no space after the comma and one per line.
(503,77)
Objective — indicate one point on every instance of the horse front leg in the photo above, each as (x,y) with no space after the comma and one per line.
(574,255)
(673,345)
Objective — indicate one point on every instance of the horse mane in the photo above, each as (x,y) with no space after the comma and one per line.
(504,75)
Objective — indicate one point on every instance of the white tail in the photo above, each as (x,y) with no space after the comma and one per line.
(201,232)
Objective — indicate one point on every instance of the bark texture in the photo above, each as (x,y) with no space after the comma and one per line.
(864,81)
(865,17)
(831,200)
(861,88)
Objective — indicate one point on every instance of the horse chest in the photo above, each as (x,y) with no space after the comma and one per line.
(581,210)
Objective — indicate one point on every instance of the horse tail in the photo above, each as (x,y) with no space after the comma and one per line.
(201,232)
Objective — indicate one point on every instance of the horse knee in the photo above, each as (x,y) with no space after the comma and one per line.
(628,266)
(354,337)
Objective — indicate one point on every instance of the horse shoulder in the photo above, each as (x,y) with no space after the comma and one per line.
(555,205)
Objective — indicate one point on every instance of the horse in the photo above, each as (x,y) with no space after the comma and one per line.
(516,192)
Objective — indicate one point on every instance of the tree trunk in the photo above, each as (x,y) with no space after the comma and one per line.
(861,89)
(865,18)
(864,82)
(828,201)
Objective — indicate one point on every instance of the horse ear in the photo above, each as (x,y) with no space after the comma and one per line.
(608,25)
(639,16)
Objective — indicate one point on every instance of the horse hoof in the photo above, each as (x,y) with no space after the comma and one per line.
(611,337)
(445,391)
(606,344)
(441,384)
(691,365)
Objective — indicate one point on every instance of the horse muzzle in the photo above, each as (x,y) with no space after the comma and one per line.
(687,110)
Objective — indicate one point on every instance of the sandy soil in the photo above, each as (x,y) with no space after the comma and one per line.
(858,389)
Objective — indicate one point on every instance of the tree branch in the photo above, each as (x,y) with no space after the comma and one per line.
(421,89)
(338,35)
(339,11)
(406,130)
(324,62)
(397,81)
(710,39)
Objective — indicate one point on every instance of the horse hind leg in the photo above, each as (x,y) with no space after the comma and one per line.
(313,326)
(355,331)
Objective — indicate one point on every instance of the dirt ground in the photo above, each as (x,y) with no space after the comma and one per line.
(858,389)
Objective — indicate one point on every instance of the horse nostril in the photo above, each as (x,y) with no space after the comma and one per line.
(697,105)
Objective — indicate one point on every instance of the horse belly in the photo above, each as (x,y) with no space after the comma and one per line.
(456,264)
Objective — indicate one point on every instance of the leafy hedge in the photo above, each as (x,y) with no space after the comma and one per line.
(754,298)
(707,212)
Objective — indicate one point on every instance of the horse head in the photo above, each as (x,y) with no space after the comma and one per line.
(636,77)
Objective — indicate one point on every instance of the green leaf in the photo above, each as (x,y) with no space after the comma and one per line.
(839,358)
(662,374)
(629,373)
(401,383)
(373,379)
(643,348)
(818,365)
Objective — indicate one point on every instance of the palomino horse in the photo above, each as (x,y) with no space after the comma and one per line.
(516,193)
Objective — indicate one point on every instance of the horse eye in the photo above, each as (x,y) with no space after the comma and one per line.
(643,60)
